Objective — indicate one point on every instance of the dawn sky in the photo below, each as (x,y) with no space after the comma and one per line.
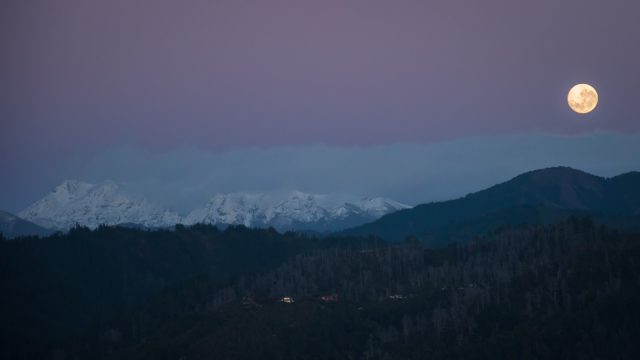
(80,80)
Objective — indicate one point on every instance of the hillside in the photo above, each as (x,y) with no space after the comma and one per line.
(566,291)
(119,293)
(555,193)
(12,226)
(67,289)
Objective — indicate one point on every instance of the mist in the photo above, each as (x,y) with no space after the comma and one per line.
(185,178)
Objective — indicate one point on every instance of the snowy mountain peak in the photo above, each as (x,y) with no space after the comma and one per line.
(294,210)
(232,208)
(75,202)
(71,188)
(380,205)
(368,207)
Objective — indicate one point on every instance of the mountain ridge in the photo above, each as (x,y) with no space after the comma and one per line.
(75,202)
(549,194)
(562,188)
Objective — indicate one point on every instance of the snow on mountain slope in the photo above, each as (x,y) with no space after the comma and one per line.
(74,202)
(234,208)
(372,207)
(292,211)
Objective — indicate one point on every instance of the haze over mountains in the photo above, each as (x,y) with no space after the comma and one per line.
(74,202)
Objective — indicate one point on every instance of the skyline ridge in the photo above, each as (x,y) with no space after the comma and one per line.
(297,210)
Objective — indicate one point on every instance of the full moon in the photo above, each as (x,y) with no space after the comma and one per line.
(582,98)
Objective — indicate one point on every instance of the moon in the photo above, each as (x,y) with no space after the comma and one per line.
(582,98)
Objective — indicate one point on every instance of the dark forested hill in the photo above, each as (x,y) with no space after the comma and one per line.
(68,290)
(562,291)
(554,193)
(567,291)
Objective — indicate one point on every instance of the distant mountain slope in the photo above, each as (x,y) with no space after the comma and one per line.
(552,193)
(12,226)
(292,211)
(74,202)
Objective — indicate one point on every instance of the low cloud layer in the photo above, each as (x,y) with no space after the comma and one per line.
(186,178)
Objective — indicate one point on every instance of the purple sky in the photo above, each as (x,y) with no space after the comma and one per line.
(78,77)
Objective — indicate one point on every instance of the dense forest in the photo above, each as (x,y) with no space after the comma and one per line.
(567,291)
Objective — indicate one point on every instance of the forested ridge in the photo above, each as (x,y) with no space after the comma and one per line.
(542,196)
(566,291)
(67,291)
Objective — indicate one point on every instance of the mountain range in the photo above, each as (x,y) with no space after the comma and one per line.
(204,292)
(541,196)
(75,202)
(294,210)
(538,197)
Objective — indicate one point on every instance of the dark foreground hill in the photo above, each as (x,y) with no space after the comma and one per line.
(538,197)
(562,291)
(567,291)
(64,293)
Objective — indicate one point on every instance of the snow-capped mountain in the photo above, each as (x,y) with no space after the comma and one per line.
(74,202)
(292,211)
(372,207)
